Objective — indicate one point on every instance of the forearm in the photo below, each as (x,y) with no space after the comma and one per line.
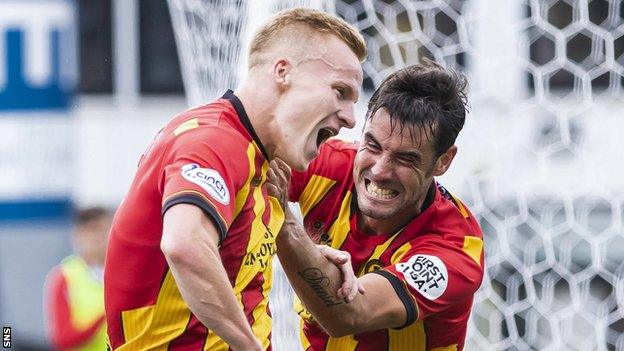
(315,280)
(322,284)
(190,245)
(204,285)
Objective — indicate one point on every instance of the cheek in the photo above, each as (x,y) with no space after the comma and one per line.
(359,163)
(292,127)
(315,96)
(303,118)
(320,100)
(412,180)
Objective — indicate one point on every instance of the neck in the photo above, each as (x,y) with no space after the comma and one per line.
(260,107)
(374,226)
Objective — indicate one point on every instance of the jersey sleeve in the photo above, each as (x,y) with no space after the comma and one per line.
(331,163)
(433,275)
(206,167)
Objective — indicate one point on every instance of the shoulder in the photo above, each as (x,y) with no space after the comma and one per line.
(452,235)
(335,159)
(459,257)
(210,129)
(452,216)
(327,174)
(213,135)
(336,145)
(449,238)
(55,280)
(435,266)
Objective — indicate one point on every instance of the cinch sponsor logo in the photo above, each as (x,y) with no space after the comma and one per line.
(427,274)
(209,179)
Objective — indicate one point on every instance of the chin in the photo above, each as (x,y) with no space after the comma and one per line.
(375,213)
(373,210)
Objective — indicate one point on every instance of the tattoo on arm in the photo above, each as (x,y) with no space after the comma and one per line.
(319,283)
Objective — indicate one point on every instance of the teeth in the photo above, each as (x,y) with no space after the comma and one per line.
(382,193)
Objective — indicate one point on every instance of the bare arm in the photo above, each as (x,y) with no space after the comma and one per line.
(317,280)
(189,243)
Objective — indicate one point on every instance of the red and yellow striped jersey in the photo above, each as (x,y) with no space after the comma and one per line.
(435,263)
(211,157)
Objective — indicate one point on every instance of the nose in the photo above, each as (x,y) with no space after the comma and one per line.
(346,116)
(381,168)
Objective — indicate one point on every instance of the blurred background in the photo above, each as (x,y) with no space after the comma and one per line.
(85,85)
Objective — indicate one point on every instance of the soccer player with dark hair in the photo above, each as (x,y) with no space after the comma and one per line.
(189,261)
(417,249)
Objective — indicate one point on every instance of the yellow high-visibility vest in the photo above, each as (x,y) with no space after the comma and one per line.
(86,300)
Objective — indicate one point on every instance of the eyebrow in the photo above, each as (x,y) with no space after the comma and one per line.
(416,154)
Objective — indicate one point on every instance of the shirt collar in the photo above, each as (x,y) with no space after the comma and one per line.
(244,119)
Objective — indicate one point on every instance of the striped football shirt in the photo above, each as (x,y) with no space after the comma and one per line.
(434,263)
(209,157)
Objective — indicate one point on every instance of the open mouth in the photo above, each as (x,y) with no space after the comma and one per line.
(378,191)
(324,134)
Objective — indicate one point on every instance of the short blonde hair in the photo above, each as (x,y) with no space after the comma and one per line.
(314,20)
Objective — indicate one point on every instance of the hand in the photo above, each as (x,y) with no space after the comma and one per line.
(278,180)
(350,285)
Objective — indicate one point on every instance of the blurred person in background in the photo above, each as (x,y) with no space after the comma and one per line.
(74,290)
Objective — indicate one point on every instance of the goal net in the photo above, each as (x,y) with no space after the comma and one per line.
(540,159)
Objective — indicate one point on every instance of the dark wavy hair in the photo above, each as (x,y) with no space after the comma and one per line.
(424,96)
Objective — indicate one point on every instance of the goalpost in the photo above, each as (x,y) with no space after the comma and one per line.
(540,160)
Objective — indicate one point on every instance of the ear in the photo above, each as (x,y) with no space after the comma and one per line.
(444,161)
(281,69)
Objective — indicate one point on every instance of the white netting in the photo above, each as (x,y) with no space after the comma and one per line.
(208,36)
(540,160)
(212,37)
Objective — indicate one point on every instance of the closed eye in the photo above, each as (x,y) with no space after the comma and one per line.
(371,143)
(340,93)
(372,146)
(408,158)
